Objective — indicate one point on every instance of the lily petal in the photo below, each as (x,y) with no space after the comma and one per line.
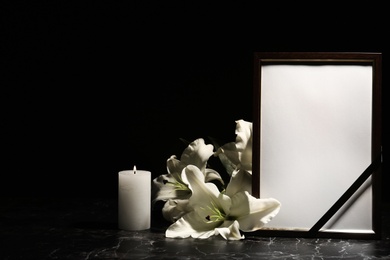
(228,155)
(211,175)
(204,194)
(225,203)
(253,213)
(164,188)
(240,180)
(191,225)
(175,209)
(238,153)
(174,167)
(244,141)
(229,230)
(197,153)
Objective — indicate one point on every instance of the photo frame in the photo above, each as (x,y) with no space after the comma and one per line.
(317,142)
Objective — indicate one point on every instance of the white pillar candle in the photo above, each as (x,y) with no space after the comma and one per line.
(134,199)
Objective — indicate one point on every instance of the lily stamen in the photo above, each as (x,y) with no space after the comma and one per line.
(176,185)
(217,216)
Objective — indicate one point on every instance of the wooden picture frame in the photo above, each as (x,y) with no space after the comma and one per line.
(317,142)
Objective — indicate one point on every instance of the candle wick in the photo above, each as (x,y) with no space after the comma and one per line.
(134,170)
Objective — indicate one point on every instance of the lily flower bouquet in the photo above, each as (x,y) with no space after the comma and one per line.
(197,207)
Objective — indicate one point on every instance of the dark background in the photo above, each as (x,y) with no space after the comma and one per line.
(92,88)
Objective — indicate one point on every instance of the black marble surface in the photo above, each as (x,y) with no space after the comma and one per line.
(42,228)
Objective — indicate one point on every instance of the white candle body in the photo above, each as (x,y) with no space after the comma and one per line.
(134,200)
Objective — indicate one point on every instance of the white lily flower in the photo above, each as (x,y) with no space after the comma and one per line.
(239,153)
(171,187)
(215,213)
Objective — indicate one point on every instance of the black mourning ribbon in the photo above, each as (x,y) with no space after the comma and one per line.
(347,194)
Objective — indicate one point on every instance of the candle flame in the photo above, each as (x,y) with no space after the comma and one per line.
(134,170)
